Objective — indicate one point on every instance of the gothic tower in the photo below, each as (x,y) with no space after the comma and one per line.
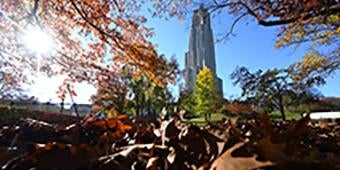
(201,49)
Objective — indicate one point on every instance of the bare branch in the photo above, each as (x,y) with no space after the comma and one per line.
(325,11)
(231,30)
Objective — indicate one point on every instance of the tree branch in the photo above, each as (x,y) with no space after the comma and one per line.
(325,11)
(334,9)
(91,24)
(231,30)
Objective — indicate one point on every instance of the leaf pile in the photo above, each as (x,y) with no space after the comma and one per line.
(120,143)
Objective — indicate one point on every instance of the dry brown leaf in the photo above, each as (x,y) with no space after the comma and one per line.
(227,161)
(151,165)
(272,151)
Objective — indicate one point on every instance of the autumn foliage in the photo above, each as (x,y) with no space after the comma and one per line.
(92,39)
(118,142)
(237,108)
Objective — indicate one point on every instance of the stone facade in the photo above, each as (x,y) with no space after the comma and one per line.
(201,49)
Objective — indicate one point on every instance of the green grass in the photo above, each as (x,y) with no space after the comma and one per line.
(289,115)
(201,120)
(214,117)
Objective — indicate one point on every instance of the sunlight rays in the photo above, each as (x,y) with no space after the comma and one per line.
(38,41)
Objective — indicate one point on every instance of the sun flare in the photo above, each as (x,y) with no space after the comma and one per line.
(38,41)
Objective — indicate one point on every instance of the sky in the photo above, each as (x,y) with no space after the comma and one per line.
(252,47)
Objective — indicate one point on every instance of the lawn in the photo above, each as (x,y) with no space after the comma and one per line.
(289,115)
(218,116)
(201,120)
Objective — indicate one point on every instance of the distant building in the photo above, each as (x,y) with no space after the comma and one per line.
(33,105)
(201,49)
(333,101)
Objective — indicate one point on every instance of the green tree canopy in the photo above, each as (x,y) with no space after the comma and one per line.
(205,94)
(273,89)
(133,92)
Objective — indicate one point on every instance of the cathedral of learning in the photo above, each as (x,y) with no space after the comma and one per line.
(201,49)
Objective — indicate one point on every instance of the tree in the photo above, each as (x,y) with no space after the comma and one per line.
(90,38)
(146,96)
(130,91)
(273,89)
(314,68)
(186,101)
(266,89)
(205,94)
(149,99)
(9,87)
(113,99)
(236,108)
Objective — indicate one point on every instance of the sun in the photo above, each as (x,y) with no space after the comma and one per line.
(38,41)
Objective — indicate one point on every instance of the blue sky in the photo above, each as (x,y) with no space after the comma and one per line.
(252,47)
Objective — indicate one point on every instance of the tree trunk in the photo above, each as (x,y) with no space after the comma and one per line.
(142,106)
(137,105)
(281,107)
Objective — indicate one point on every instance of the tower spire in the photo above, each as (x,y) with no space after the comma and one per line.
(201,48)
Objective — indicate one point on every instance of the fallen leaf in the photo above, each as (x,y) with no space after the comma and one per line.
(227,161)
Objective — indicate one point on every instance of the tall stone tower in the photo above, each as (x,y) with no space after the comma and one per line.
(201,49)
